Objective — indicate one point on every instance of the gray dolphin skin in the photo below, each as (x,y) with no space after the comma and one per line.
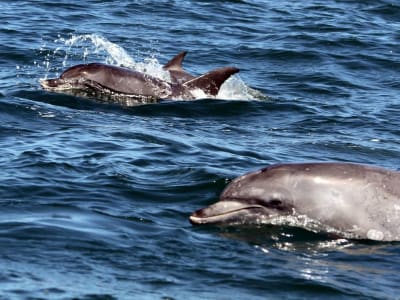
(108,79)
(349,200)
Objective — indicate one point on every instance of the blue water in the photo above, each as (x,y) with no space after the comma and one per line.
(95,197)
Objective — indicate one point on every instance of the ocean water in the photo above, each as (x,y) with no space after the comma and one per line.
(95,197)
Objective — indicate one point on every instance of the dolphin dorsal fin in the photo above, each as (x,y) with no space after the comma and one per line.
(211,82)
(175,64)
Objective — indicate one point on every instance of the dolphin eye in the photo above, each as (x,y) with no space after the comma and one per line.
(275,203)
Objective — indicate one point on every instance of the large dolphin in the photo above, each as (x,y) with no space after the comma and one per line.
(109,79)
(350,200)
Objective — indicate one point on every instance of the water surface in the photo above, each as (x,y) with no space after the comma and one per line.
(95,197)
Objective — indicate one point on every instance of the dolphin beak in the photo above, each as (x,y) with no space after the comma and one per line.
(56,84)
(226,212)
(48,83)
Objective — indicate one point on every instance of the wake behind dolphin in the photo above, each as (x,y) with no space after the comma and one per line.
(97,79)
(349,200)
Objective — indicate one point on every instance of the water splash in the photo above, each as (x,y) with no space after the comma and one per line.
(236,89)
(309,224)
(114,54)
(94,47)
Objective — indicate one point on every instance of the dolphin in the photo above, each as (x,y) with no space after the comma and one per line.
(175,69)
(348,200)
(113,80)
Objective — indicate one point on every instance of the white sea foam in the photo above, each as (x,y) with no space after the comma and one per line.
(236,89)
(303,221)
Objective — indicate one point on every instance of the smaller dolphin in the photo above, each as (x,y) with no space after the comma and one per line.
(112,80)
(349,200)
(175,69)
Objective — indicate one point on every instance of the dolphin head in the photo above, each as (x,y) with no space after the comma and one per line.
(343,199)
(325,192)
(71,78)
(254,198)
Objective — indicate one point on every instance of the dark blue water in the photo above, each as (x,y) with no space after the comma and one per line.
(95,197)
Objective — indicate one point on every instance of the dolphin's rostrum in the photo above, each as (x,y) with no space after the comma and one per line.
(349,200)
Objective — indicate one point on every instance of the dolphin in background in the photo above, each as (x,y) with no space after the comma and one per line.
(175,69)
(349,200)
(103,79)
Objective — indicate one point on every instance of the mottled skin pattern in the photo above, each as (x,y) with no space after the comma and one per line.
(352,200)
